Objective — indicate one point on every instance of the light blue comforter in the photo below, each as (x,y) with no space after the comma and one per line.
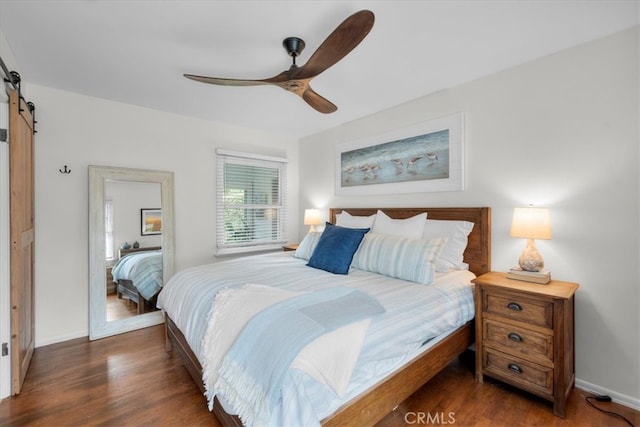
(144,269)
(414,314)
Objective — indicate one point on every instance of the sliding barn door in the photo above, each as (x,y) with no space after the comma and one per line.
(21,185)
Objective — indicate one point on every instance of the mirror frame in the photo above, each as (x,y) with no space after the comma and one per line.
(98,175)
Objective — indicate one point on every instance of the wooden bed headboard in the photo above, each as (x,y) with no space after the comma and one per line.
(123,252)
(478,252)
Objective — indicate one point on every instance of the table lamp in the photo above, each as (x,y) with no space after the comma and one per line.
(312,218)
(531,223)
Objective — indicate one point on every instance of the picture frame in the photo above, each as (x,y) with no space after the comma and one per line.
(150,221)
(424,157)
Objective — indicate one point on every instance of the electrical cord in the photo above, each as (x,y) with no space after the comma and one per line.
(605,398)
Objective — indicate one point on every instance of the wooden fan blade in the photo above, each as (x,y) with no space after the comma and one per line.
(319,103)
(226,82)
(340,42)
(277,79)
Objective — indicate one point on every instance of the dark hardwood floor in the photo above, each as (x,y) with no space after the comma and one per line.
(130,380)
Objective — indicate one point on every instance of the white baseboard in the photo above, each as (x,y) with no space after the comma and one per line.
(620,398)
(61,338)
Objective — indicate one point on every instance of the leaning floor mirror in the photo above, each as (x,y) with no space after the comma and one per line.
(131,247)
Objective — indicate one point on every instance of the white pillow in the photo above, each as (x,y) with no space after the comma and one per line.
(308,244)
(411,228)
(457,233)
(399,257)
(344,219)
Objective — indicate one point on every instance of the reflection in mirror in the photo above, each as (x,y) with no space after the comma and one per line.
(127,208)
(133,239)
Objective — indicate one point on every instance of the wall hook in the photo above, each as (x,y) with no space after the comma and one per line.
(65,170)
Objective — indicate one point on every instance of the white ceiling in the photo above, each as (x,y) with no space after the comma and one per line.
(136,51)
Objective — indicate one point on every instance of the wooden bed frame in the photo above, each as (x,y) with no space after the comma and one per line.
(373,404)
(126,288)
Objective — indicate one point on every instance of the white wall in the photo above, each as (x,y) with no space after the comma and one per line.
(560,132)
(128,198)
(79,131)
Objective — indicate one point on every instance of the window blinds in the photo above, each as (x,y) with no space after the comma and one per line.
(250,202)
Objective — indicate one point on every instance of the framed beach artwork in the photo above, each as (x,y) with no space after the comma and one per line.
(151,221)
(424,157)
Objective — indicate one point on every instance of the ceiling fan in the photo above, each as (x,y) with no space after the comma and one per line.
(296,79)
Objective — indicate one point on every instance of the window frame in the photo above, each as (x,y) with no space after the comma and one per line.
(224,157)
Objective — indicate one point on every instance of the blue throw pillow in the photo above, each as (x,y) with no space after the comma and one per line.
(336,247)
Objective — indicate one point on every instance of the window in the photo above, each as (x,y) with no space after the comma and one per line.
(108,231)
(251,203)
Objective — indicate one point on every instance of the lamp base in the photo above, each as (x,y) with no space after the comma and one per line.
(531,260)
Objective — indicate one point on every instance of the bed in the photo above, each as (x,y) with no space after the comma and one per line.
(374,397)
(138,276)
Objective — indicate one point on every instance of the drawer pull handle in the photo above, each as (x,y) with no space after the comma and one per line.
(514,337)
(515,368)
(514,306)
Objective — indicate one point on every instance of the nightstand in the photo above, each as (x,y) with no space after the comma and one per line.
(290,247)
(524,335)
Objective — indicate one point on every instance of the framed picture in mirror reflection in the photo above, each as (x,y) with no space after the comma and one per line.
(150,221)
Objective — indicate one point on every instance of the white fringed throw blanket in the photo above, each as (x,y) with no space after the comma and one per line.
(251,374)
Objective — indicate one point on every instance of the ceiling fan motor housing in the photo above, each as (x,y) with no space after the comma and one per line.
(294,46)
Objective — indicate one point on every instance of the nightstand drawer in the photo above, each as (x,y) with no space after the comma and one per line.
(519,341)
(529,376)
(516,307)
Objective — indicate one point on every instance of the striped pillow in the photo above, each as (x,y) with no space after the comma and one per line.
(399,257)
(308,245)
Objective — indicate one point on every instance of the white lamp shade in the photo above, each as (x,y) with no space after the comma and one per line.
(531,223)
(312,217)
